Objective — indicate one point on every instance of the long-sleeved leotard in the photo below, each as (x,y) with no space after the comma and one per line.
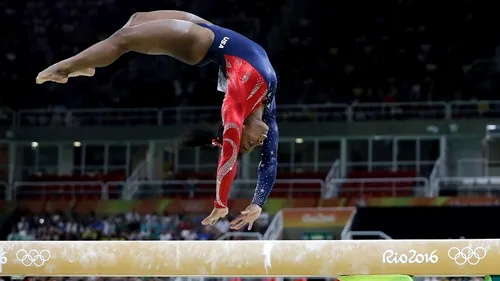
(232,120)
(246,91)
(248,80)
(268,166)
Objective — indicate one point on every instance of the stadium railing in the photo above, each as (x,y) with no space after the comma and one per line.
(392,187)
(477,167)
(288,188)
(304,113)
(436,173)
(386,187)
(285,188)
(335,172)
(469,186)
(140,173)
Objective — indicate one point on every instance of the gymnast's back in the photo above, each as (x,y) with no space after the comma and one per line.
(229,43)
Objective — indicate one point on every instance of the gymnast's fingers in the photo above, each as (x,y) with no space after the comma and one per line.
(236,220)
(239,225)
(207,220)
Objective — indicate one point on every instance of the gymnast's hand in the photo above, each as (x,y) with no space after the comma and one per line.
(216,214)
(249,215)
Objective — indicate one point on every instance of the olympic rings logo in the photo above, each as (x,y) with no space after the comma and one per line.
(33,257)
(467,255)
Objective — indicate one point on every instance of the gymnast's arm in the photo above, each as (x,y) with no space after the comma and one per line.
(268,165)
(232,116)
(143,17)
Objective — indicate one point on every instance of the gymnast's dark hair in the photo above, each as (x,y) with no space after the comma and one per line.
(204,135)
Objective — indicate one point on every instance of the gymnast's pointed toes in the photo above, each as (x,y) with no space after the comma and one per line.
(49,76)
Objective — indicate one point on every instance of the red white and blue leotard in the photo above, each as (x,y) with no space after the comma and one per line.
(248,80)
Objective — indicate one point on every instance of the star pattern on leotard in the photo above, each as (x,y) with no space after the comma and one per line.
(268,165)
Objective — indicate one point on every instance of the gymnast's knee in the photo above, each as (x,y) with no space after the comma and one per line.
(121,39)
(135,19)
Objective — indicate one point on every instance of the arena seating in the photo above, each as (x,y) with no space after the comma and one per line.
(302,190)
(379,188)
(69,187)
(90,186)
(279,190)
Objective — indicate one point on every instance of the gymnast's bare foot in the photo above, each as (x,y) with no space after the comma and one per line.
(59,73)
(89,72)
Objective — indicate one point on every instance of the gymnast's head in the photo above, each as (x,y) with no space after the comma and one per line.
(253,135)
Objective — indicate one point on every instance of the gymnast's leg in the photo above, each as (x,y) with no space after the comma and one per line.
(143,17)
(155,37)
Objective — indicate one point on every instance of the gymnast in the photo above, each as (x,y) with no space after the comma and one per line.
(246,76)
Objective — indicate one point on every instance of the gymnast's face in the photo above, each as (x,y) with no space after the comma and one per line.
(254,134)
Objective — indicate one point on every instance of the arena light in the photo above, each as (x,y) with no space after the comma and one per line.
(34,144)
(299,140)
(250,258)
(77,144)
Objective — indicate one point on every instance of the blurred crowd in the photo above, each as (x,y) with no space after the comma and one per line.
(342,51)
(128,226)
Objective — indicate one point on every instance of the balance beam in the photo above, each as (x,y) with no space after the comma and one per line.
(250,258)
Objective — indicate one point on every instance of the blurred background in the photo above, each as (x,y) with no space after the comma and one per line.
(387,112)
